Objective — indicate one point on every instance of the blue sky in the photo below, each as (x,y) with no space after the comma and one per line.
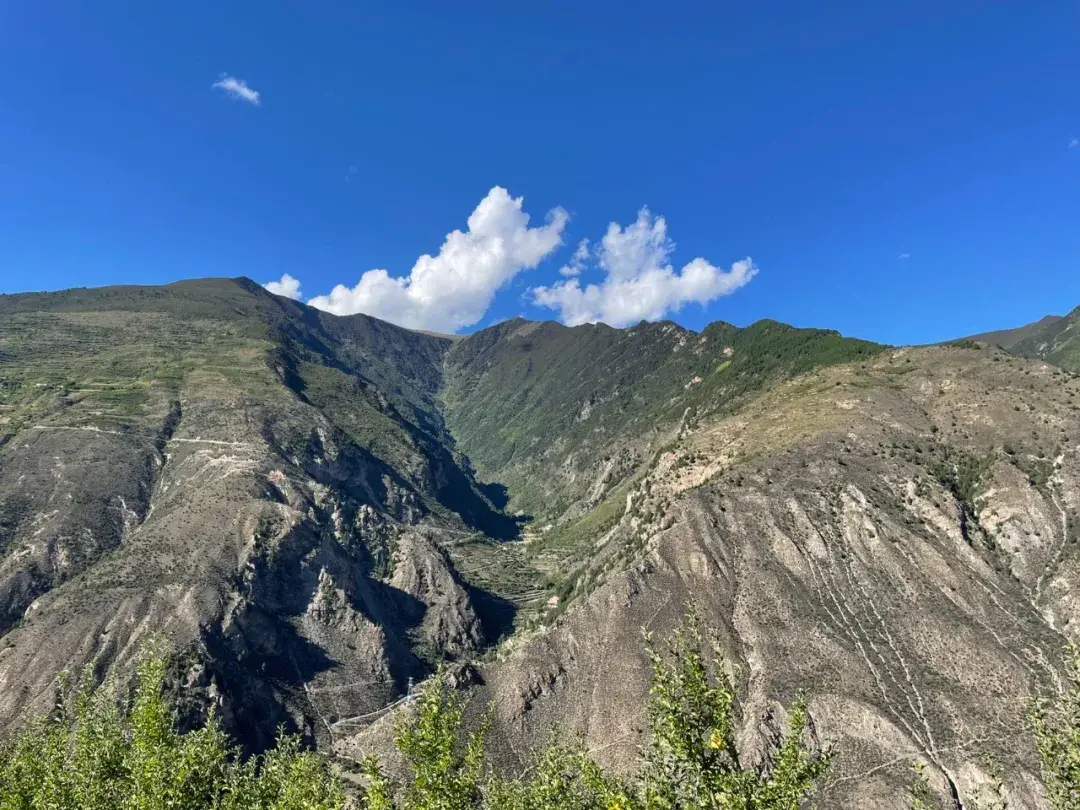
(901,172)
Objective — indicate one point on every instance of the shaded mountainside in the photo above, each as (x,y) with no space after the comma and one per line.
(314,510)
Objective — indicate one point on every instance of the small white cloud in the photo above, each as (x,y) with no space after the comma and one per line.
(577,261)
(640,282)
(237,89)
(287,286)
(1075,142)
(454,289)
(904,257)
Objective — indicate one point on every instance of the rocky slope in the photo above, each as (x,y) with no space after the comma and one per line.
(895,538)
(262,485)
(312,510)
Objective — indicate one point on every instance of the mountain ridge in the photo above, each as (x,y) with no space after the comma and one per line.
(1006,338)
(1054,338)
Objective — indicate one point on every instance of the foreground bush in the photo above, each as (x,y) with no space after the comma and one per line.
(1057,735)
(89,755)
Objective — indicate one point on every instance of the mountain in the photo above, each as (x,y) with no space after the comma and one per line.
(1057,342)
(894,537)
(1006,338)
(260,483)
(1054,338)
(312,511)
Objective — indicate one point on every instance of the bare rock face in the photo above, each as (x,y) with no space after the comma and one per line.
(423,572)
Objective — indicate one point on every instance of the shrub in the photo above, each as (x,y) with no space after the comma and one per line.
(691,760)
(90,753)
(1057,735)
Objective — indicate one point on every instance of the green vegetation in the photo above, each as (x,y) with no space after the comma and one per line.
(589,528)
(1054,340)
(90,754)
(1038,470)
(1057,734)
(611,396)
(960,473)
(593,407)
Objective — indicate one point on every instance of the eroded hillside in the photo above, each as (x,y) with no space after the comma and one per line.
(894,538)
(264,485)
(315,510)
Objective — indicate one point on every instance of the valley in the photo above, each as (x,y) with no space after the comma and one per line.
(315,511)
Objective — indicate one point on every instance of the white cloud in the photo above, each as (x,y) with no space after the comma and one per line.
(1075,142)
(904,257)
(640,282)
(287,286)
(237,89)
(577,261)
(454,289)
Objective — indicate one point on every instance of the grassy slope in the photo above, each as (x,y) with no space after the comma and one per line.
(1057,342)
(571,419)
(117,351)
(1007,338)
(540,407)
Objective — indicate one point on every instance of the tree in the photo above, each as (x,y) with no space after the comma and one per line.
(562,778)
(692,760)
(445,773)
(1057,736)
(94,753)
(90,753)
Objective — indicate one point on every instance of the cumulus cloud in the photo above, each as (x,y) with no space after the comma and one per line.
(287,286)
(1075,142)
(578,260)
(454,289)
(640,282)
(237,89)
